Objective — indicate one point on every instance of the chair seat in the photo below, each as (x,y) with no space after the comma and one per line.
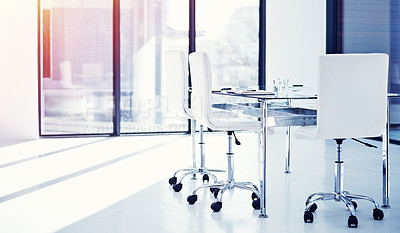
(311,132)
(233,123)
(224,114)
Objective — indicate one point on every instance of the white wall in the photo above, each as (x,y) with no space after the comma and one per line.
(295,40)
(18,70)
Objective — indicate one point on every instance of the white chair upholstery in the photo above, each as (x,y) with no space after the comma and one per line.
(352,97)
(201,77)
(200,72)
(352,103)
(178,102)
(177,84)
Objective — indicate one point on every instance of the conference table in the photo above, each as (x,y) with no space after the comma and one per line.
(278,111)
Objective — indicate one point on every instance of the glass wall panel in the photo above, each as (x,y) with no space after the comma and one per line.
(373,26)
(227,30)
(76,67)
(77,60)
(148,29)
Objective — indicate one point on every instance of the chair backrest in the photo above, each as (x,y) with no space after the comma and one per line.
(352,95)
(200,73)
(177,82)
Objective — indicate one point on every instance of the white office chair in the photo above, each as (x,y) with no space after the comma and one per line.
(352,100)
(200,73)
(178,96)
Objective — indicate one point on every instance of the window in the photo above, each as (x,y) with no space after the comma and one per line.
(79,90)
(228,31)
(148,29)
(77,67)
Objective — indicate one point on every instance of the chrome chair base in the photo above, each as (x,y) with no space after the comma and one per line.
(345,197)
(207,173)
(202,170)
(219,188)
(339,195)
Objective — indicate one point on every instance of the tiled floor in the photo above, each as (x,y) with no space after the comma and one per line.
(121,185)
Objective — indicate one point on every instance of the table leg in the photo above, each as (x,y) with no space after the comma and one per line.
(263,161)
(288,146)
(385,161)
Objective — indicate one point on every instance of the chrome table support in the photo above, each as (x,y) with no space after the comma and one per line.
(385,156)
(385,161)
(263,160)
(288,146)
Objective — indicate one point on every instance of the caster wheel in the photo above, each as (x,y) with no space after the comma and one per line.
(206,178)
(354,204)
(313,207)
(216,206)
(192,199)
(352,222)
(216,191)
(256,204)
(172,180)
(378,214)
(177,187)
(254,196)
(308,217)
